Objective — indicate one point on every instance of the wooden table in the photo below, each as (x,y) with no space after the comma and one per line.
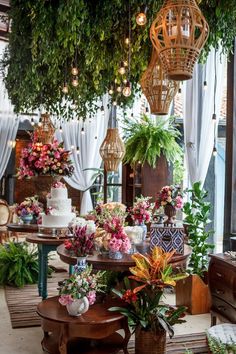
(95,329)
(45,245)
(31,228)
(121,265)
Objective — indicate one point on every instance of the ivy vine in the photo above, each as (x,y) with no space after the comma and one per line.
(45,34)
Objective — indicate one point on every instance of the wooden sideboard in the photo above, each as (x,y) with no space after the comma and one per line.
(222,283)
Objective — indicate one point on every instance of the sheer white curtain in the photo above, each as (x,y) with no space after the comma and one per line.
(198,109)
(88,156)
(8,123)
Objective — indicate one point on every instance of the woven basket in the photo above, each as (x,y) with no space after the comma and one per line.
(112,150)
(178,33)
(157,88)
(146,342)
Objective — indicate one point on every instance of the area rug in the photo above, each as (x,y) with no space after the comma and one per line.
(22,303)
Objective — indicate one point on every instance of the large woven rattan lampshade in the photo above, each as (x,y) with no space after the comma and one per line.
(45,132)
(178,33)
(112,150)
(157,88)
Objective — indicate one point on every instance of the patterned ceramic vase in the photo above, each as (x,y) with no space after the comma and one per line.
(81,264)
(27,219)
(115,255)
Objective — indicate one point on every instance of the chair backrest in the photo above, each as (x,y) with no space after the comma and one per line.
(5,213)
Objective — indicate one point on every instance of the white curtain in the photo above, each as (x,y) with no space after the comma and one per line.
(8,123)
(198,109)
(88,157)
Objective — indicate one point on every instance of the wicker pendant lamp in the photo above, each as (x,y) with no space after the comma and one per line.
(112,149)
(157,88)
(45,132)
(178,33)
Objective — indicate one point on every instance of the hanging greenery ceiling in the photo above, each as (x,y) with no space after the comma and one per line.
(45,34)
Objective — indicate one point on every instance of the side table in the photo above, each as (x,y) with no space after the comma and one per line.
(45,245)
(95,330)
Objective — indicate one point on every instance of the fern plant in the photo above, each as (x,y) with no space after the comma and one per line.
(146,140)
(18,264)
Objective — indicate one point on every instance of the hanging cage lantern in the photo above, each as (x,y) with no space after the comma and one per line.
(45,132)
(157,88)
(112,150)
(178,33)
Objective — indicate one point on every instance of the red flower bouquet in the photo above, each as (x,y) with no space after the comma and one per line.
(81,243)
(119,240)
(49,159)
(142,210)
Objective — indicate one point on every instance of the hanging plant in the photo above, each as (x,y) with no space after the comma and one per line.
(45,34)
(146,140)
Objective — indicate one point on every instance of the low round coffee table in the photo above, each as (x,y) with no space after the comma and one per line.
(120,265)
(95,331)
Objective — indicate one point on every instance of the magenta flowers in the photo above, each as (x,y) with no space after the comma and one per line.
(81,243)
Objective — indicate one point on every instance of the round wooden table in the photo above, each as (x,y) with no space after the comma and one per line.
(120,265)
(31,228)
(95,330)
(45,245)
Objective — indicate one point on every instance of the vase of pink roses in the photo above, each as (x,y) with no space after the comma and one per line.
(119,242)
(141,213)
(170,198)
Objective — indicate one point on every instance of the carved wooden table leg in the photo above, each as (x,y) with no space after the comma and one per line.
(64,338)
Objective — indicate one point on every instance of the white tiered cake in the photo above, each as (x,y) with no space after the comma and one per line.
(59,207)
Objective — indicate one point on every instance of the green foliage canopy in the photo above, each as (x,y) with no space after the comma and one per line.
(45,33)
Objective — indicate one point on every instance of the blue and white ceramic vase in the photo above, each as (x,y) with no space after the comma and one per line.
(27,219)
(81,264)
(115,255)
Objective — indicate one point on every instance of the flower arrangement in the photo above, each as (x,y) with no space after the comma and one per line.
(83,284)
(169,195)
(30,206)
(58,184)
(102,212)
(119,240)
(142,210)
(144,309)
(81,243)
(49,159)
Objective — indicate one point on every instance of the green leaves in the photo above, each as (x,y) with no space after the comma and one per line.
(145,141)
(18,264)
(197,218)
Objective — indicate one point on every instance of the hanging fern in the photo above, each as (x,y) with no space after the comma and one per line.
(146,140)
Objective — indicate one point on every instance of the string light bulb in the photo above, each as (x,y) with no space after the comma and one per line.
(72,147)
(119,89)
(74,71)
(82,131)
(205,85)
(65,88)
(77,150)
(111,91)
(122,68)
(146,109)
(90,119)
(214,117)
(40,122)
(214,152)
(125,81)
(60,129)
(127,89)
(127,40)
(75,81)
(102,108)
(114,103)
(141,18)
(95,137)
(32,122)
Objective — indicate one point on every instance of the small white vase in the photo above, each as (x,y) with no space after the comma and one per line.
(78,306)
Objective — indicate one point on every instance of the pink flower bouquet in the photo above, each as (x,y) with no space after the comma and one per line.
(49,159)
(169,195)
(81,243)
(142,210)
(119,240)
(30,205)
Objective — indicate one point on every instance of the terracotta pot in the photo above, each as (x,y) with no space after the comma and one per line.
(147,342)
(170,212)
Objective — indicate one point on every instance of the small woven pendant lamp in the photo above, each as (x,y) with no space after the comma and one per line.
(157,88)
(178,33)
(112,149)
(45,132)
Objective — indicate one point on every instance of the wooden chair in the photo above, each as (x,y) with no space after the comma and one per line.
(5,217)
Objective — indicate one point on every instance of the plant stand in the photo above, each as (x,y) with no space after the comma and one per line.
(193,293)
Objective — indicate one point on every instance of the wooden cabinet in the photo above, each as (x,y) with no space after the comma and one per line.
(144,180)
(222,283)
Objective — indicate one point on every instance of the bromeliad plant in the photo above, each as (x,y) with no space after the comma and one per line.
(143,305)
(81,243)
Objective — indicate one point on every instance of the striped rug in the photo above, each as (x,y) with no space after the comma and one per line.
(22,302)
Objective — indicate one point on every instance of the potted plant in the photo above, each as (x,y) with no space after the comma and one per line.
(78,292)
(147,140)
(147,315)
(193,292)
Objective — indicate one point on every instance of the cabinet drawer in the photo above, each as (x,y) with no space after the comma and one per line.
(222,291)
(224,309)
(222,274)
